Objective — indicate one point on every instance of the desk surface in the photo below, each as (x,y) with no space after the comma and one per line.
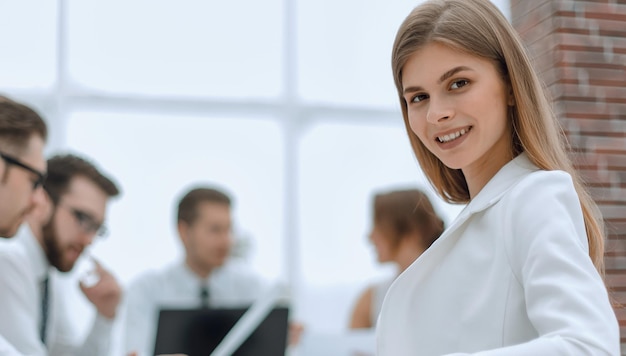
(350,343)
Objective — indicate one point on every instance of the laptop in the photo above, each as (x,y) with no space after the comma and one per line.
(197,332)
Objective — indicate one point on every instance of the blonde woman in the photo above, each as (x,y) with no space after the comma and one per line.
(519,272)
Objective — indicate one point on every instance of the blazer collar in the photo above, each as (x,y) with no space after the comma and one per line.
(510,173)
(493,191)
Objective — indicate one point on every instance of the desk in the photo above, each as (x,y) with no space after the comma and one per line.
(349,343)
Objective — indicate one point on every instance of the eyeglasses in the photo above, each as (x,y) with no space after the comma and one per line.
(41,177)
(86,222)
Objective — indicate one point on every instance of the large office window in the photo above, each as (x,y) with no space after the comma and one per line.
(287,104)
(157,158)
(190,48)
(342,165)
(29,47)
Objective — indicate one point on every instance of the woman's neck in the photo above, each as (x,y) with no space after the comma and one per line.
(479,174)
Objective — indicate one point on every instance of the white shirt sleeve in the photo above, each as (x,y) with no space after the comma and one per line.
(19,307)
(20,313)
(97,342)
(566,299)
(7,349)
(139,321)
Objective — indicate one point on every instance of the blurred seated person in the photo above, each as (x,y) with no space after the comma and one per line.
(34,316)
(206,277)
(404,226)
(23,134)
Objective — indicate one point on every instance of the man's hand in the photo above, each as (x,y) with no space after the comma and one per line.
(295,333)
(104,295)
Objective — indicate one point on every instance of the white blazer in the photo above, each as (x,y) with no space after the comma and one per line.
(510,276)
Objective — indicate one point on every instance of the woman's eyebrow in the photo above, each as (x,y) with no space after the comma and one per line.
(443,77)
(452,72)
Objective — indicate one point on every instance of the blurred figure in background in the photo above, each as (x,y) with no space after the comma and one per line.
(33,316)
(206,277)
(404,226)
(23,134)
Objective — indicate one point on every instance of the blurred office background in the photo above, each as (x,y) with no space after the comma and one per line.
(289,105)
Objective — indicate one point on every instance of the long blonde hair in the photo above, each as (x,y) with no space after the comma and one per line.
(477,27)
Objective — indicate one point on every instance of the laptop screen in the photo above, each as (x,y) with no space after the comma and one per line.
(197,332)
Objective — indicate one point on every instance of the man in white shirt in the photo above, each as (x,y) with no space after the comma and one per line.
(22,166)
(23,135)
(206,277)
(33,317)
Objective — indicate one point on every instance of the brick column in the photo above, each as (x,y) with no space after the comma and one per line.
(579,49)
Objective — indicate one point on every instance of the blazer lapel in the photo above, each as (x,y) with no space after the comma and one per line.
(506,178)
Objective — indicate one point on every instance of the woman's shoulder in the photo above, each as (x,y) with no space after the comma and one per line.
(540,184)
(542,200)
(528,174)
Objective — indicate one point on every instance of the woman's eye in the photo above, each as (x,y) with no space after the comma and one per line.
(459,83)
(419,97)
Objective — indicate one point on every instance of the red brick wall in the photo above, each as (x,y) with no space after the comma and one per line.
(579,49)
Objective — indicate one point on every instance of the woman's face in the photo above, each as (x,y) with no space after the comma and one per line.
(382,242)
(457,106)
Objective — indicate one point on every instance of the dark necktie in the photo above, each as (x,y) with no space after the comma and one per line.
(44,309)
(204,296)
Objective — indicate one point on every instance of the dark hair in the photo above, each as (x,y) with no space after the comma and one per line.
(188,205)
(401,212)
(18,123)
(61,170)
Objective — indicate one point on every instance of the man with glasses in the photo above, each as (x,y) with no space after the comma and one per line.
(23,134)
(33,316)
(22,166)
